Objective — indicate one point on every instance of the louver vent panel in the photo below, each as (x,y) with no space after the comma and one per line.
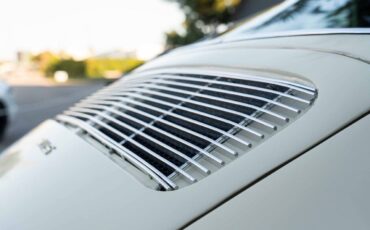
(178,128)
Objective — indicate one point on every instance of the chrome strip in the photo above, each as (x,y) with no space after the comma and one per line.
(192,93)
(195,102)
(169,113)
(246,95)
(207,139)
(96,121)
(136,131)
(89,102)
(296,33)
(180,107)
(201,136)
(122,151)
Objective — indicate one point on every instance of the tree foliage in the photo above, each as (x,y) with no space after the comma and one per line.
(92,67)
(75,69)
(45,59)
(202,17)
(98,67)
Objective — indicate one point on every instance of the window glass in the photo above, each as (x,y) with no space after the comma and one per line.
(310,14)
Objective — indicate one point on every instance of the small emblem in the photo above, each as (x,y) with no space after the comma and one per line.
(46,147)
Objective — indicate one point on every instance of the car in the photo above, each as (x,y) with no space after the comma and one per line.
(8,107)
(250,130)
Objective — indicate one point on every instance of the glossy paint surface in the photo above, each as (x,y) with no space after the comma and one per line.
(76,186)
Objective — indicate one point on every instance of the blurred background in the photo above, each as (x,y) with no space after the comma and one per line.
(53,52)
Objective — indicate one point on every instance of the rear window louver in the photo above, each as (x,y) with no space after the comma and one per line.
(178,128)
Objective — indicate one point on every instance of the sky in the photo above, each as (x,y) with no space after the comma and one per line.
(81,26)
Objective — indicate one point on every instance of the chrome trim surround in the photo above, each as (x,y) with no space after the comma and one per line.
(297,33)
(179,126)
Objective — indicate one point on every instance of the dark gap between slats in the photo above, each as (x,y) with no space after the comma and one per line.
(188,81)
(194,127)
(148,110)
(160,150)
(161,98)
(110,134)
(212,122)
(226,105)
(162,167)
(177,94)
(245,100)
(190,90)
(138,116)
(121,129)
(258,93)
(185,149)
(214,112)
(155,104)
(198,76)
(256,83)
(183,135)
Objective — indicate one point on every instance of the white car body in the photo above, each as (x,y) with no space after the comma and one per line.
(313,174)
(251,130)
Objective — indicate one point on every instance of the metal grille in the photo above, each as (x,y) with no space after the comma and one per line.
(177,127)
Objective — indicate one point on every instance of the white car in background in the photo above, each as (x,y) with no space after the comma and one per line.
(251,130)
(8,107)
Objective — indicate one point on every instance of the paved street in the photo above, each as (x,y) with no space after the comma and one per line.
(37,103)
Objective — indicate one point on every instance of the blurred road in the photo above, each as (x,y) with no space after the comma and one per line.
(37,103)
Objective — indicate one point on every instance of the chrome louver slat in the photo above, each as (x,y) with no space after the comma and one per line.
(191,101)
(193,75)
(179,127)
(159,130)
(195,94)
(125,153)
(105,99)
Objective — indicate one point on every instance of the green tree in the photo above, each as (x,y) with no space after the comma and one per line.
(100,67)
(75,69)
(202,17)
(45,60)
